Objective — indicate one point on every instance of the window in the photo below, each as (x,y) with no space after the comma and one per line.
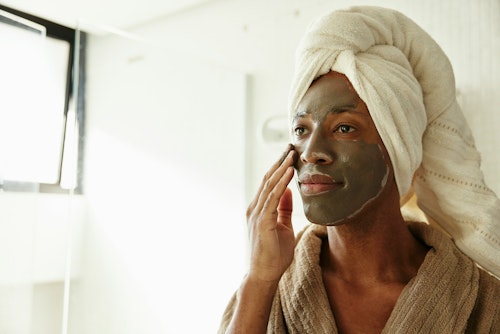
(41,125)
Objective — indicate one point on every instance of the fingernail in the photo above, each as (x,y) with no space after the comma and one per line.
(289,148)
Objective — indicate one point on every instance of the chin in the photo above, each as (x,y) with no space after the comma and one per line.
(336,223)
(323,218)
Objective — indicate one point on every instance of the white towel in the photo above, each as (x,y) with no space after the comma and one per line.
(407,82)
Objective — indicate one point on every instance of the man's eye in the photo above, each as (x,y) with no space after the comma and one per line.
(345,128)
(299,130)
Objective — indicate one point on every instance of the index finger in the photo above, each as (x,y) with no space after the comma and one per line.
(275,166)
(270,172)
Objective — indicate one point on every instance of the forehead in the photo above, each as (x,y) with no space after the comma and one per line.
(330,92)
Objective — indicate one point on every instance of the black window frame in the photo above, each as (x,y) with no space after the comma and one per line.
(76,54)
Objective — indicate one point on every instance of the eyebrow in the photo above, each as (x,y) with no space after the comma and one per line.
(334,109)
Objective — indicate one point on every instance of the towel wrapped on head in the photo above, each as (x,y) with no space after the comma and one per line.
(408,85)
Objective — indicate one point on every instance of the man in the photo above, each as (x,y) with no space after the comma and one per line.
(371,122)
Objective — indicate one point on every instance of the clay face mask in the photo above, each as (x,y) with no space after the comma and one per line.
(342,163)
(337,191)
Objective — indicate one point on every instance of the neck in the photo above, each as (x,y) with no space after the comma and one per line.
(374,248)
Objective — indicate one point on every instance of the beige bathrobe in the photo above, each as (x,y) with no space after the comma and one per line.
(450,294)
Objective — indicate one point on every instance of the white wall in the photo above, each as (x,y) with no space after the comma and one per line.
(164,179)
(37,232)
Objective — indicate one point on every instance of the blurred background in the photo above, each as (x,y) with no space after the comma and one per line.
(135,133)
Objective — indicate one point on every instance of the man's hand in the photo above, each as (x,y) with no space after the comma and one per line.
(272,239)
(272,246)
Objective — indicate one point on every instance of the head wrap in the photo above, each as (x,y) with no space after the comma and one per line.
(408,85)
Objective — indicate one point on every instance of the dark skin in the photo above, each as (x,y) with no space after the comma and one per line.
(369,255)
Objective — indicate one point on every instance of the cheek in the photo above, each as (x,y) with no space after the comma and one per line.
(364,165)
(373,167)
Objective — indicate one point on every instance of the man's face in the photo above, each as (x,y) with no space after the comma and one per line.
(343,165)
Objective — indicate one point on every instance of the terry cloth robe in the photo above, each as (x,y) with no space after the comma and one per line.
(449,294)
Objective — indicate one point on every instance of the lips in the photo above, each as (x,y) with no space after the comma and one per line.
(315,184)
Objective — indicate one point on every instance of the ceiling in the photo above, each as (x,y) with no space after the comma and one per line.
(119,14)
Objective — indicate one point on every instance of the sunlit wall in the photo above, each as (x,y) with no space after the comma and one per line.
(164,182)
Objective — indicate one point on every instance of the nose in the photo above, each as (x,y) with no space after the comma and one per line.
(315,150)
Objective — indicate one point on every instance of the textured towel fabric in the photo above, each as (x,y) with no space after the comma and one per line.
(407,83)
(450,294)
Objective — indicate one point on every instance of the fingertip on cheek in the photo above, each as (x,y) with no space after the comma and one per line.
(294,157)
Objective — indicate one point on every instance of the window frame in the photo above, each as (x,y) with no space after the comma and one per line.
(76,55)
